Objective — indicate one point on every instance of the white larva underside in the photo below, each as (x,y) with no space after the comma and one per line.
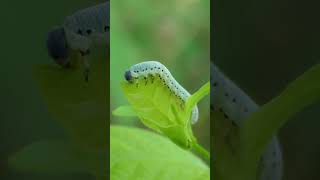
(227,98)
(94,20)
(154,68)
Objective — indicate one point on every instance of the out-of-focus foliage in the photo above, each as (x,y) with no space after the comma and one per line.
(60,157)
(139,154)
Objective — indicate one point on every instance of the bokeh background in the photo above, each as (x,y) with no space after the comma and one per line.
(24,117)
(174,32)
(263,45)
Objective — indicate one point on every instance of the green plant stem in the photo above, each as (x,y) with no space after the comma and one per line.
(201,151)
(260,127)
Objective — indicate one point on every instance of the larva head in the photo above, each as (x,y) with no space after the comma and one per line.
(57,46)
(128,76)
(139,69)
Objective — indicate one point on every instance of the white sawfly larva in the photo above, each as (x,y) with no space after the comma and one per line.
(154,68)
(80,32)
(236,105)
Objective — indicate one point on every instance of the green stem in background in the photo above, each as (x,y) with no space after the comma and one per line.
(201,151)
(259,128)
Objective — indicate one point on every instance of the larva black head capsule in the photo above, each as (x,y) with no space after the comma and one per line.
(128,76)
(57,46)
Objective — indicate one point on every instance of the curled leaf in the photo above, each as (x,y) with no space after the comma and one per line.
(160,110)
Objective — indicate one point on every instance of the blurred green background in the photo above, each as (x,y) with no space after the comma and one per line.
(173,32)
(24,116)
(263,45)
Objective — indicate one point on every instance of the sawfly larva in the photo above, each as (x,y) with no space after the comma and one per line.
(236,105)
(154,68)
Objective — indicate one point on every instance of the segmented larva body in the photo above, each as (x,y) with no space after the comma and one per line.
(229,99)
(154,68)
(88,26)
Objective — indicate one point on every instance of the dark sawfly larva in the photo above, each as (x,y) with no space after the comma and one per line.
(80,32)
(154,68)
(236,105)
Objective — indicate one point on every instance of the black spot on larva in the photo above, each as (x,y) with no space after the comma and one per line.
(226,94)
(215,84)
(89,31)
(83,53)
(234,100)
(234,124)
(162,70)
(225,116)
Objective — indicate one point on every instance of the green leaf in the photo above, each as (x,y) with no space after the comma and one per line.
(160,110)
(59,157)
(79,107)
(139,154)
(124,111)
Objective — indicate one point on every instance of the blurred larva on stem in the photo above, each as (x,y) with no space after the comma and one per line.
(236,105)
(80,32)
